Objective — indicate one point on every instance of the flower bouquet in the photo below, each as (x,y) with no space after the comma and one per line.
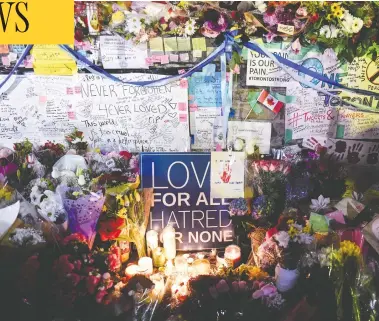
(76,142)
(269,182)
(49,153)
(83,209)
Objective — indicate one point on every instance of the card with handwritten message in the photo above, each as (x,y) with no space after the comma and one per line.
(205,91)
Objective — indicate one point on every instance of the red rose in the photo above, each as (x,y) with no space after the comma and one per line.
(74,279)
(100,295)
(63,266)
(110,229)
(314,17)
(91,282)
(76,237)
(126,155)
(114,262)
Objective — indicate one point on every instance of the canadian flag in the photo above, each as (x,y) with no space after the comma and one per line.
(270,102)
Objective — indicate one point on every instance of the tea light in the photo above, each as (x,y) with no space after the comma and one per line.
(201,267)
(131,270)
(151,240)
(200,256)
(232,255)
(190,260)
(169,242)
(213,253)
(159,258)
(181,265)
(146,264)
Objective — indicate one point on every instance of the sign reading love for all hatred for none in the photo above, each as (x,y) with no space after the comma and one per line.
(181,183)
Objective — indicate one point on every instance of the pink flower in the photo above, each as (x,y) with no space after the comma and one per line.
(91,282)
(222,287)
(100,295)
(236,69)
(114,262)
(172,25)
(302,12)
(74,279)
(77,265)
(63,266)
(206,31)
(258,294)
(213,292)
(270,37)
(269,290)
(286,170)
(271,232)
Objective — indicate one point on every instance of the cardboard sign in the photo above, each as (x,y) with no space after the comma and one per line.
(181,183)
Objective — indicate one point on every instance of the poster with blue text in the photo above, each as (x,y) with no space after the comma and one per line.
(181,183)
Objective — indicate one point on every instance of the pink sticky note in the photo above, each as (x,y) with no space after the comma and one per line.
(5,61)
(69,91)
(71,115)
(78,90)
(181,71)
(183,118)
(218,148)
(164,59)
(174,58)
(183,83)
(182,106)
(156,58)
(184,56)
(193,107)
(149,61)
(337,216)
(42,99)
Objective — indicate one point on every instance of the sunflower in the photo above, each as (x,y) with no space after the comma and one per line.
(335,7)
(338,13)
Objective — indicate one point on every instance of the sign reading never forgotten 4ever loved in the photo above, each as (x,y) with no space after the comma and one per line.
(181,183)
(109,113)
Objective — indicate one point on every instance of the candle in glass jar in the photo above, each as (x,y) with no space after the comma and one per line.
(151,240)
(131,270)
(201,267)
(220,263)
(181,265)
(232,255)
(146,264)
(169,242)
(159,258)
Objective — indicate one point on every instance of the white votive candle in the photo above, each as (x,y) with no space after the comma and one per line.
(169,242)
(232,255)
(181,265)
(151,240)
(131,270)
(146,264)
(201,267)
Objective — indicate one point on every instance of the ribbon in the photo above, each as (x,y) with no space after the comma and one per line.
(283,98)
(17,65)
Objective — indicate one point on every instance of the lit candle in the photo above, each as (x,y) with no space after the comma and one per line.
(201,267)
(159,258)
(181,265)
(159,285)
(146,265)
(200,255)
(131,270)
(232,255)
(221,260)
(169,267)
(169,242)
(151,240)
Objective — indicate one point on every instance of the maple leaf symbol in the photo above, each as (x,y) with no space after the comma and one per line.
(270,101)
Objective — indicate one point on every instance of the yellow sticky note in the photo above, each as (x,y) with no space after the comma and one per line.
(199,44)
(156,44)
(170,44)
(52,60)
(184,44)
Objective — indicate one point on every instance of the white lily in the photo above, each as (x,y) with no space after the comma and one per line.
(320,203)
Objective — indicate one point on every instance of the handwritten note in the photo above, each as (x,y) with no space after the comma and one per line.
(170,44)
(51,60)
(156,44)
(227,174)
(117,53)
(246,134)
(184,44)
(357,125)
(199,44)
(109,113)
(289,30)
(205,91)
(204,121)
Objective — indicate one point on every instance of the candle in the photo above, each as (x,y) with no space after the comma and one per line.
(159,285)
(201,267)
(131,270)
(151,240)
(159,258)
(125,250)
(169,267)
(232,255)
(221,260)
(146,265)
(212,256)
(200,255)
(169,242)
(181,265)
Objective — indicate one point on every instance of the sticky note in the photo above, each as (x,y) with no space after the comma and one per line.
(12,56)
(193,107)
(170,44)
(42,99)
(184,57)
(183,83)
(199,44)
(4,49)
(71,115)
(5,61)
(149,61)
(156,44)
(319,223)
(69,91)
(52,60)
(155,58)
(289,30)
(174,58)
(78,90)
(197,53)
(184,44)
(182,106)
(183,118)
(165,59)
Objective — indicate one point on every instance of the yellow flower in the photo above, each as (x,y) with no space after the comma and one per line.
(338,13)
(122,212)
(137,196)
(329,17)
(292,232)
(104,209)
(307,228)
(349,249)
(335,7)
(118,197)
(121,202)
(290,222)
(126,200)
